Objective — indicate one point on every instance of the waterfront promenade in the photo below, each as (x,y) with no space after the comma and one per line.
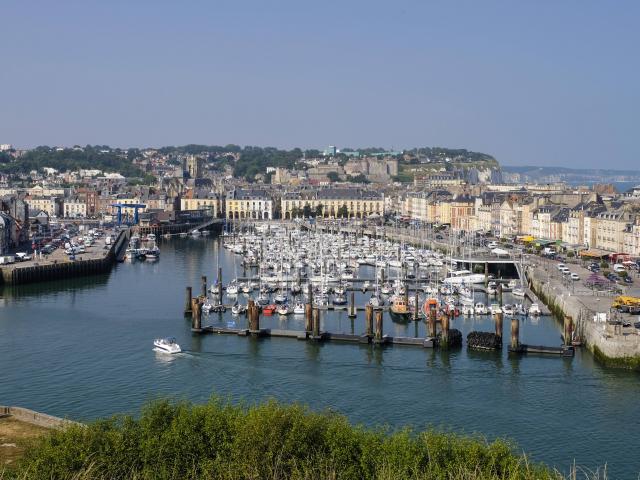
(614,342)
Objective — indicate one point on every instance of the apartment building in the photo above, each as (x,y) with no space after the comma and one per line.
(249,203)
(201,200)
(74,207)
(51,205)
(333,202)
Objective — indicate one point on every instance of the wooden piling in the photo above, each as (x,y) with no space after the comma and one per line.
(308,317)
(499,326)
(254,320)
(444,333)
(316,322)
(352,307)
(196,316)
(500,293)
(368,316)
(204,286)
(416,315)
(187,304)
(568,329)
(378,334)
(515,334)
(432,323)
(310,293)
(220,283)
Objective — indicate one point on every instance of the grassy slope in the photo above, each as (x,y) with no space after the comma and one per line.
(222,441)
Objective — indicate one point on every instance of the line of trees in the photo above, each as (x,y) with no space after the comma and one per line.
(306,211)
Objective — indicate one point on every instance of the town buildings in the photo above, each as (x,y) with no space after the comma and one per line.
(332,203)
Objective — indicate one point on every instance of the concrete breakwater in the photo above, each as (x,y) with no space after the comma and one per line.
(608,341)
(36,418)
(59,266)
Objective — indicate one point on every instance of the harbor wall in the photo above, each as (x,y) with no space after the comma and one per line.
(55,269)
(610,346)
(36,418)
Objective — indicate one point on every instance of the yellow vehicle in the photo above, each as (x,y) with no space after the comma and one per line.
(625,301)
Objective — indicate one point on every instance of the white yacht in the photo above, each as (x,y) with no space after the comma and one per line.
(518,292)
(298,309)
(284,309)
(232,288)
(495,308)
(481,309)
(464,277)
(534,310)
(508,309)
(238,309)
(467,309)
(166,345)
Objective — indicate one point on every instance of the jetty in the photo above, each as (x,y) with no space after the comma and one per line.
(58,265)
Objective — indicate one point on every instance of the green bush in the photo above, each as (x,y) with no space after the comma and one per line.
(219,440)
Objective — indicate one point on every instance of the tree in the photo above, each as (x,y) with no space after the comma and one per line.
(306,210)
(295,212)
(343,212)
(319,210)
(360,178)
(333,176)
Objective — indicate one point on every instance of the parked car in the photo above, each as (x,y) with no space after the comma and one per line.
(561,266)
(22,257)
(628,280)
(575,277)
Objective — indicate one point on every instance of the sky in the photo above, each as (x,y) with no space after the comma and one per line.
(550,82)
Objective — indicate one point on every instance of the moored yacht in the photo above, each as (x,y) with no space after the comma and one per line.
(534,310)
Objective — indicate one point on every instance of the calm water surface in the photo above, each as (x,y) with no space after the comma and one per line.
(83,349)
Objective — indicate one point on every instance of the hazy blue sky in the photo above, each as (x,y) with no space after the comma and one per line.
(537,82)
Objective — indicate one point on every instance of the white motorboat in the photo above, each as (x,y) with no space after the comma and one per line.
(481,309)
(232,288)
(280,298)
(464,278)
(376,301)
(298,309)
(166,345)
(518,292)
(284,309)
(495,309)
(534,310)
(195,233)
(508,309)
(238,309)
(366,285)
(206,306)
(467,309)
(339,300)
(492,288)
(153,253)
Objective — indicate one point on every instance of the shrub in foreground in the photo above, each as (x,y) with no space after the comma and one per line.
(219,440)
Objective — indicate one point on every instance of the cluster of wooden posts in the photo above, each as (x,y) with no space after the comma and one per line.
(445,338)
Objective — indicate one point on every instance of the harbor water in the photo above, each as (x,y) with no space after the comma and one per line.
(82,349)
